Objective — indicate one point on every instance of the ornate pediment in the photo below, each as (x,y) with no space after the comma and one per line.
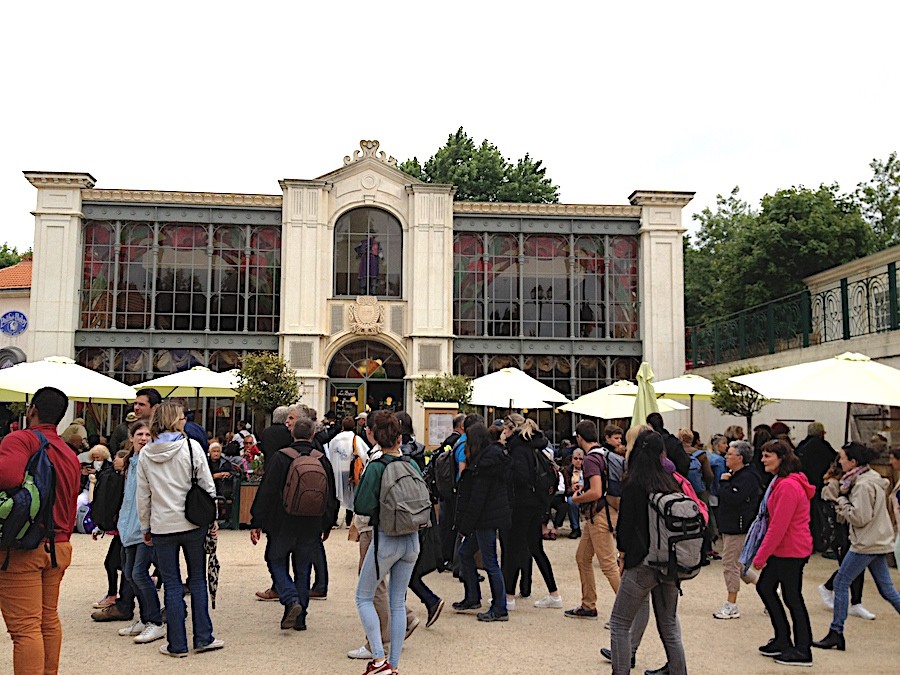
(370,149)
(366,316)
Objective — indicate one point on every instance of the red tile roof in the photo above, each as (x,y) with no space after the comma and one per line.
(16,276)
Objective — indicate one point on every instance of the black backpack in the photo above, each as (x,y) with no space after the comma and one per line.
(546,476)
(442,472)
(109,491)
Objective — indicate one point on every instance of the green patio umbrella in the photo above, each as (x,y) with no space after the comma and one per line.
(645,401)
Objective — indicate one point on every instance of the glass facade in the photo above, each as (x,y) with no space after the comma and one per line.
(180,277)
(368,254)
(545,286)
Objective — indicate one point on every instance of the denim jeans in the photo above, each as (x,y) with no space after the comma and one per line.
(486,542)
(136,570)
(637,583)
(574,515)
(396,556)
(279,552)
(167,547)
(853,565)
(320,567)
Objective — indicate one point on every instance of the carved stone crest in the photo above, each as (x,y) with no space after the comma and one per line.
(366,316)
(370,149)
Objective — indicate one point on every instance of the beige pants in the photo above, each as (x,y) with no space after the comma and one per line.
(382,607)
(597,540)
(731,565)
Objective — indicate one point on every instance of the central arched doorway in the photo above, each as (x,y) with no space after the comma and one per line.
(363,376)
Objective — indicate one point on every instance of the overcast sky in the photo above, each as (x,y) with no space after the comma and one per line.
(231,97)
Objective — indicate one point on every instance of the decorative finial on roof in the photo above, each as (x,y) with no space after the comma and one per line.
(370,149)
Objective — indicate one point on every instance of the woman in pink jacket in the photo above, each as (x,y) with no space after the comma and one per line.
(783,553)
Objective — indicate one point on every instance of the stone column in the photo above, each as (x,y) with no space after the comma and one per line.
(56,272)
(661,279)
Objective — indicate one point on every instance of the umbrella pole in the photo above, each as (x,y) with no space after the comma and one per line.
(847,424)
(692,412)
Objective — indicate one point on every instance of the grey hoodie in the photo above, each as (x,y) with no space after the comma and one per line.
(163,479)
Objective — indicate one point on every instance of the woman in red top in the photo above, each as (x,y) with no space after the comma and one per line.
(783,553)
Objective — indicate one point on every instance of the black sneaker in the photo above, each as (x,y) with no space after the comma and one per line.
(466,605)
(300,623)
(795,656)
(491,616)
(291,612)
(434,612)
(581,613)
(772,648)
(607,654)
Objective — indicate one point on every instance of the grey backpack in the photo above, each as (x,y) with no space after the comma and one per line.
(676,536)
(404,505)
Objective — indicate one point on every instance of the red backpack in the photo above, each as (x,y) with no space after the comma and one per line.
(305,491)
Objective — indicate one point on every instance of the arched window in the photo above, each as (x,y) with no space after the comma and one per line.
(368,254)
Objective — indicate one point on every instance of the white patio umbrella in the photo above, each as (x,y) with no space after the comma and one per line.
(197,381)
(846,378)
(686,386)
(20,382)
(511,388)
(613,406)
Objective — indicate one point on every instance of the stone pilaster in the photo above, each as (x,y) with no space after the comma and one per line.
(56,273)
(661,279)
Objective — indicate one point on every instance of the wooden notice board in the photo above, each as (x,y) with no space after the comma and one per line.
(438,423)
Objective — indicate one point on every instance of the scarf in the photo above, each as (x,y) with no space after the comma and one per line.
(850,477)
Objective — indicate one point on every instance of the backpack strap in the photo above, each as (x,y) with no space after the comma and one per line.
(290,452)
(49,523)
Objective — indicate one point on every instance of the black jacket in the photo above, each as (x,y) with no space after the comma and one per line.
(675,452)
(267,512)
(816,455)
(273,439)
(482,502)
(738,501)
(633,527)
(522,470)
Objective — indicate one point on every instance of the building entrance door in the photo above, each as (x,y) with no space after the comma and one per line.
(365,376)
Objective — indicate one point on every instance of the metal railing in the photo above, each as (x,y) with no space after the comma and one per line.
(849,309)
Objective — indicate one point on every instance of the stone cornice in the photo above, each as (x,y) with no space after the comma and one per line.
(660,198)
(431,188)
(301,183)
(70,179)
(519,209)
(164,197)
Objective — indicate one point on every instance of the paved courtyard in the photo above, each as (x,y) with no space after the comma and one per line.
(534,640)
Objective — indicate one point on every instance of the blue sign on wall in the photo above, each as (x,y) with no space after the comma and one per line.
(13,323)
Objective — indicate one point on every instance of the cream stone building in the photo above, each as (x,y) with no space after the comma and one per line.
(364,279)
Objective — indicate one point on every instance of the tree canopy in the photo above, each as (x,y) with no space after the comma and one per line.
(879,201)
(735,399)
(481,173)
(9,255)
(266,381)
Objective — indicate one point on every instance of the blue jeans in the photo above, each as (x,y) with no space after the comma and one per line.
(574,514)
(279,551)
(136,570)
(320,566)
(167,547)
(853,565)
(396,556)
(486,542)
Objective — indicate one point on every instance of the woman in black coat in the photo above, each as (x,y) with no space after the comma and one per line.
(482,508)
(739,491)
(523,541)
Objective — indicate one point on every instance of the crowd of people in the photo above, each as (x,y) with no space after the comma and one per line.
(487,499)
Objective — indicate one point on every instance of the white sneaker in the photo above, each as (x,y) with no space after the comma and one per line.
(212,646)
(549,602)
(134,629)
(827,596)
(510,604)
(361,653)
(728,611)
(861,612)
(151,633)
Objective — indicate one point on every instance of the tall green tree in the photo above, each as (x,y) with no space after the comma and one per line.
(879,201)
(481,173)
(9,255)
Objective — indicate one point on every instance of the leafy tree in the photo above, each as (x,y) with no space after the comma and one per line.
(265,382)
(879,201)
(480,172)
(10,255)
(736,399)
(444,389)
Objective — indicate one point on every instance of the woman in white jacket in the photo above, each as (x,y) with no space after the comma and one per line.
(163,478)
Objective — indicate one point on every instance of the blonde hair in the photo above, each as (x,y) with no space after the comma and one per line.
(102,450)
(631,436)
(686,435)
(165,417)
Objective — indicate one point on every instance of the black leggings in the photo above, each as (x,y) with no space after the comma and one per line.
(788,573)
(841,546)
(559,508)
(113,563)
(522,542)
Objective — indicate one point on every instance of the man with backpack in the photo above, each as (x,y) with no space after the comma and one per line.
(443,474)
(30,575)
(599,501)
(295,506)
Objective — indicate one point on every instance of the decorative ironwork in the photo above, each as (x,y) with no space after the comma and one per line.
(852,308)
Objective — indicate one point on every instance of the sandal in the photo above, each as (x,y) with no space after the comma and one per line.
(552,536)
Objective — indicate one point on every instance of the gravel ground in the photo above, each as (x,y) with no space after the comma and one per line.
(533,641)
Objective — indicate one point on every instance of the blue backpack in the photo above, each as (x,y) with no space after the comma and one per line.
(26,511)
(695,473)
